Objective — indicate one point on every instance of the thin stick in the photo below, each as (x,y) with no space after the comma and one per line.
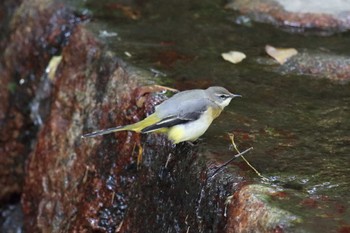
(232,136)
(229,161)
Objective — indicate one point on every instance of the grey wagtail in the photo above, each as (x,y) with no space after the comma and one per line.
(183,117)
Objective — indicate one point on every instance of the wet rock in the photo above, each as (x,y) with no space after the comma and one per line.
(319,65)
(61,183)
(250,211)
(315,64)
(11,160)
(11,218)
(94,184)
(297,15)
(37,30)
(7,9)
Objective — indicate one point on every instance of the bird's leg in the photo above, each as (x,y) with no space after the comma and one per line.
(139,156)
(140,150)
(192,143)
(195,142)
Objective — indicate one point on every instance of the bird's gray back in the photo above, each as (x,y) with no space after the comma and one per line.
(184,102)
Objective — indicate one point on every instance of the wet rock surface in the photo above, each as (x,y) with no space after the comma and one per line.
(95,184)
(7,9)
(317,64)
(250,211)
(11,219)
(33,37)
(297,15)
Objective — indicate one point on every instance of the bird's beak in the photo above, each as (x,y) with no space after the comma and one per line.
(234,96)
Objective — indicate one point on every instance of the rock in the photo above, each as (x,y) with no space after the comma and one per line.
(11,218)
(320,65)
(76,185)
(25,53)
(94,184)
(312,14)
(317,64)
(250,211)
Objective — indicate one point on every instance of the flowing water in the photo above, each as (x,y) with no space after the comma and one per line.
(298,125)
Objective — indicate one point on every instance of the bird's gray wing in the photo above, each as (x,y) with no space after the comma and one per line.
(189,110)
(181,102)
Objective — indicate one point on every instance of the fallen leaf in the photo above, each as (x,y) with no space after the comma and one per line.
(281,55)
(233,56)
(52,67)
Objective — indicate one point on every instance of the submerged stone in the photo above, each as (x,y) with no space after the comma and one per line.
(250,211)
(319,65)
(321,16)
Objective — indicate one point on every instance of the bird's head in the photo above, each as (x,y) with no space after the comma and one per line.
(220,95)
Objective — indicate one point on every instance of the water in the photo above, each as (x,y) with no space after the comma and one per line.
(298,125)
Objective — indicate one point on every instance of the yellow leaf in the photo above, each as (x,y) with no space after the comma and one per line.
(281,55)
(233,56)
(52,67)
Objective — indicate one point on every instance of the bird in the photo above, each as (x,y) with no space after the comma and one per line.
(183,117)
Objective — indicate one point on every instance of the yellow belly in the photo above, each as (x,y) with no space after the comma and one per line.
(192,130)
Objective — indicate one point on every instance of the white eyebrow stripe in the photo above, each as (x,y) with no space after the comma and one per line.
(226,95)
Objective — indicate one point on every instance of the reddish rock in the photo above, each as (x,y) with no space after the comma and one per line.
(315,64)
(250,211)
(26,51)
(319,65)
(94,184)
(75,185)
(66,178)
(279,13)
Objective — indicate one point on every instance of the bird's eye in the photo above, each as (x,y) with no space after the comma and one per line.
(223,97)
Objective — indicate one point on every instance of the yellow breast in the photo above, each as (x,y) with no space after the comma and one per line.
(192,130)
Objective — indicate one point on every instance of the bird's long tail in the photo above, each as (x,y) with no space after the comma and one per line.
(103,131)
(137,127)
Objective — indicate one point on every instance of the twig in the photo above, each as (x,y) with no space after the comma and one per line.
(245,160)
(229,161)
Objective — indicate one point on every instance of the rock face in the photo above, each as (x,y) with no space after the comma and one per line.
(25,53)
(75,184)
(312,63)
(250,212)
(320,65)
(316,15)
